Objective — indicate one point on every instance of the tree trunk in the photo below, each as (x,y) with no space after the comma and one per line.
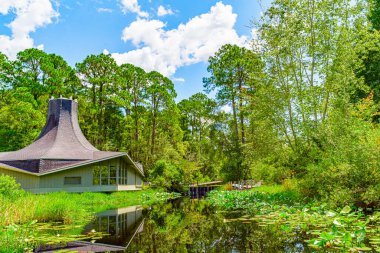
(242,128)
(136,121)
(153,132)
(236,132)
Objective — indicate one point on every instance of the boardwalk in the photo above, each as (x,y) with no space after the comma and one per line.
(200,190)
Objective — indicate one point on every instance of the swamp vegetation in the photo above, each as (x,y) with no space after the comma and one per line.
(298,108)
(24,215)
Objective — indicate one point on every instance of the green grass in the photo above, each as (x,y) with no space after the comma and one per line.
(70,207)
(19,215)
(254,199)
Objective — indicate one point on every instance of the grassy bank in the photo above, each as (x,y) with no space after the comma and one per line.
(21,211)
(324,228)
(70,207)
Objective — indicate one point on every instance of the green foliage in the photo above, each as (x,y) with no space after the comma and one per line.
(253,200)
(9,188)
(69,208)
(331,230)
(301,106)
(269,173)
(18,238)
(20,120)
(167,175)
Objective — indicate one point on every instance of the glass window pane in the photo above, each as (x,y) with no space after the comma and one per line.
(96,175)
(113,181)
(104,170)
(112,171)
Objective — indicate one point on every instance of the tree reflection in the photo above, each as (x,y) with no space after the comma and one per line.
(193,226)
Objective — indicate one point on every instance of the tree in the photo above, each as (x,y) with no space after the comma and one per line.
(98,75)
(160,93)
(20,120)
(233,73)
(45,74)
(309,50)
(369,53)
(198,121)
(6,75)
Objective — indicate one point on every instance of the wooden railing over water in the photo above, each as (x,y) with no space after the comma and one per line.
(200,190)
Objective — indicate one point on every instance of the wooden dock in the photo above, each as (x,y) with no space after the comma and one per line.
(200,190)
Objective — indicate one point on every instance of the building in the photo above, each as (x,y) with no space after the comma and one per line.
(62,159)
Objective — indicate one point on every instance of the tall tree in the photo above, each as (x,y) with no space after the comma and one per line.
(6,75)
(45,74)
(98,74)
(160,93)
(233,71)
(133,84)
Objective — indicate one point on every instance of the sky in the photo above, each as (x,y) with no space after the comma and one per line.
(174,37)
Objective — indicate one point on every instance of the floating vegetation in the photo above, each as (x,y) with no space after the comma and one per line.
(32,234)
(159,196)
(323,229)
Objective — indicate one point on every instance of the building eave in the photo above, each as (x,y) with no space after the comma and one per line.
(7,167)
(88,162)
(135,165)
(79,164)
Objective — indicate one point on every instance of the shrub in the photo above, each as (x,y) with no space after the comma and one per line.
(167,175)
(268,173)
(9,188)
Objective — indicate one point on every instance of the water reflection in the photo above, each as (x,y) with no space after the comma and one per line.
(118,227)
(193,226)
(121,225)
(186,225)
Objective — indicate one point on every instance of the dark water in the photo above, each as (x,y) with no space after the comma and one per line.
(182,225)
(187,225)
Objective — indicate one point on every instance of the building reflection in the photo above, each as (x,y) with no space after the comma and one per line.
(120,226)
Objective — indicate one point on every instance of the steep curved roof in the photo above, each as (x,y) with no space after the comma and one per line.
(60,144)
(61,138)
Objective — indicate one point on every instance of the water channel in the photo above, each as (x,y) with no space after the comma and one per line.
(182,225)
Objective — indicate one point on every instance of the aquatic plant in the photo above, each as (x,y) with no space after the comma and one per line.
(340,230)
(19,216)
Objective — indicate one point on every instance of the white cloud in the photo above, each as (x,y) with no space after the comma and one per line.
(178,79)
(134,7)
(30,15)
(193,42)
(104,10)
(226,108)
(162,11)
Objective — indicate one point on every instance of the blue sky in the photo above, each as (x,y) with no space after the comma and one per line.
(175,37)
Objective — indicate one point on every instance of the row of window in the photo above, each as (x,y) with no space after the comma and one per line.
(103,175)
(109,175)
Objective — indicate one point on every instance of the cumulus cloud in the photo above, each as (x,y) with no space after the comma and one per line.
(166,50)
(30,15)
(162,11)
(134,7)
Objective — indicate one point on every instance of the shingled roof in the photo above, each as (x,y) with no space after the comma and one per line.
(61,143)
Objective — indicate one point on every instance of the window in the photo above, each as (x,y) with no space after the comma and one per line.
(72,180)
(96,175)
(122,174)
(109,174)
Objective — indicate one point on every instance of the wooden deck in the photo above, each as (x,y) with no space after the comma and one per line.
(207,183)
